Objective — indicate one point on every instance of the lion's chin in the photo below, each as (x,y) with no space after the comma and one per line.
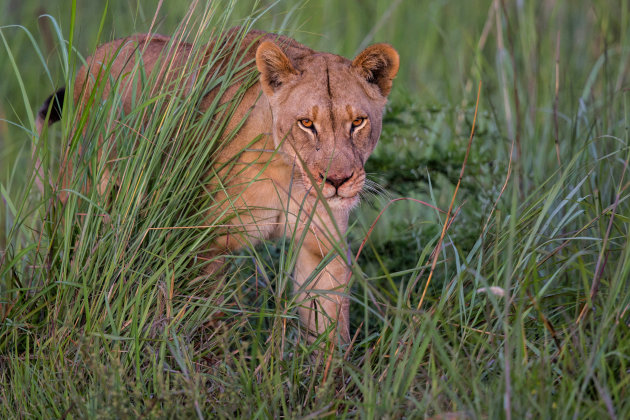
(343,203)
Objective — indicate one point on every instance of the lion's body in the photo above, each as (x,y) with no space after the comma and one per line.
(312,119)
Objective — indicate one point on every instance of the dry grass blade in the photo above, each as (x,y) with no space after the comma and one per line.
(450,207)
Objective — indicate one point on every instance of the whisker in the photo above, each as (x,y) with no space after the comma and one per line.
(370,197)
(375,188)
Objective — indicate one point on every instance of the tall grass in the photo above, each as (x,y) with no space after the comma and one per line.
(105,313)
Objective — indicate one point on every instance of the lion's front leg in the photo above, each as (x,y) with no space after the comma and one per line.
(323,297)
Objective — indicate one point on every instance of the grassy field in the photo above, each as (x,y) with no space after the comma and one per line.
(516,304)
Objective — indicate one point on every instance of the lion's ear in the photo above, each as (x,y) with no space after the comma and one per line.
(274,66)
(378,64)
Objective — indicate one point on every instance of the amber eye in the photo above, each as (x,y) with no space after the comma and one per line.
(357,121)
(306,123)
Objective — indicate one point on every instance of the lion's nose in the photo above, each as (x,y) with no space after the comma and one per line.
(337,180)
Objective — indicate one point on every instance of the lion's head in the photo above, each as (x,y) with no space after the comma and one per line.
(327,114)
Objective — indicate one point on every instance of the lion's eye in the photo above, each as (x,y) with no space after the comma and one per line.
(306,123)
(357,122)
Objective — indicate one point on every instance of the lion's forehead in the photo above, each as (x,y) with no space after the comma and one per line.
(332,84)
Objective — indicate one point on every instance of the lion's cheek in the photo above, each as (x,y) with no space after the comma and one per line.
(291,140)
(351,188)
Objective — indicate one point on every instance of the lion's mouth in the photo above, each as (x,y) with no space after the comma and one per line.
(343,199)
(344,194)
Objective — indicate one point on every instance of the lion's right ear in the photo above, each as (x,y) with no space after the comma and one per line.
(274,66)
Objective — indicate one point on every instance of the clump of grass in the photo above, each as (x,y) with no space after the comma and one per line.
(526,314)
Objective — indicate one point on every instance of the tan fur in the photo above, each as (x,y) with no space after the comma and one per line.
(297,83)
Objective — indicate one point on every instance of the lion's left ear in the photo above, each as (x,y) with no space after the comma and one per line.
(378,64)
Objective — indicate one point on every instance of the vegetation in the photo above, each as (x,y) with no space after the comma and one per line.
(513,305)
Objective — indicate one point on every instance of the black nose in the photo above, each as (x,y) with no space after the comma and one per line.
(336,180)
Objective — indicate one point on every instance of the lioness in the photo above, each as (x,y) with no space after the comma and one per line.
(315,118)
